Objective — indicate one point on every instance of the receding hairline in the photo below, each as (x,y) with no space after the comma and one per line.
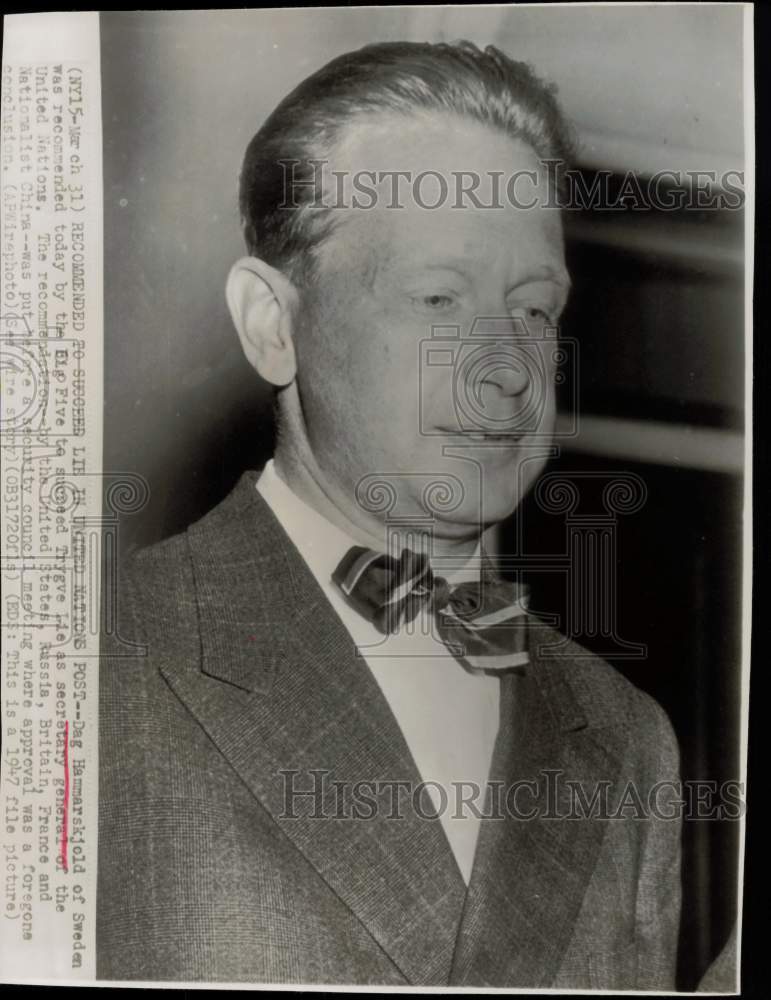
(382,83)
(352,135)
(378,122)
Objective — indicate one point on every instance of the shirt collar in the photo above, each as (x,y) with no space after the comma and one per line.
(322,543)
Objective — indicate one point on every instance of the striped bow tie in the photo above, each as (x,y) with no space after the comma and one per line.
(483,624)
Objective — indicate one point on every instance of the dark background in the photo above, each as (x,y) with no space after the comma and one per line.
(658,311)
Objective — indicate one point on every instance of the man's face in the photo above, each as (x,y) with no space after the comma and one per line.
(472,406)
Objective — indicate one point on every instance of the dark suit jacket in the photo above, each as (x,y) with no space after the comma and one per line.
(205,875)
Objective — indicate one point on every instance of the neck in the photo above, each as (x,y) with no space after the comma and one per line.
(302,474)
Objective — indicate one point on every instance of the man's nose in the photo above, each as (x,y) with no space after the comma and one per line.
(506,375)
(503,368)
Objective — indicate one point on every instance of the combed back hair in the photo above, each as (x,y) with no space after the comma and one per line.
(395,77)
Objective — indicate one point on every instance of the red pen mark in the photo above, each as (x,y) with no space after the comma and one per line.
(66,809)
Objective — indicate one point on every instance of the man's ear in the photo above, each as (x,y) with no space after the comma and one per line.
(262,303)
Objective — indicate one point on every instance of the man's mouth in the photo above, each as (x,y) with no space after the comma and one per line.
(484,437)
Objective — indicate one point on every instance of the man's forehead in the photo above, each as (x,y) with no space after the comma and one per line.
(429,185)
(430,140)
(466,239)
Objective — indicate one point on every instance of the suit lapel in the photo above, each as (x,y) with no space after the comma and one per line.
(530,875)
(281,693)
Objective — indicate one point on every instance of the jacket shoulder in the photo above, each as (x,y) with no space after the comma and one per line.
(605,698)
(157,583)
(150,585)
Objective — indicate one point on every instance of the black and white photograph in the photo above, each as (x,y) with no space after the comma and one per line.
(375,441)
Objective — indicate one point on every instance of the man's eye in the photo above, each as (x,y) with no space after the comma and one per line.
(532,314)
(437,301)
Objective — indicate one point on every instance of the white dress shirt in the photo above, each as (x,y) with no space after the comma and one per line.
(449,717)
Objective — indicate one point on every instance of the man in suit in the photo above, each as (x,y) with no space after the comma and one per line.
(329,656)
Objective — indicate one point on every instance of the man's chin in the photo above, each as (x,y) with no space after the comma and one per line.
(479,511)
